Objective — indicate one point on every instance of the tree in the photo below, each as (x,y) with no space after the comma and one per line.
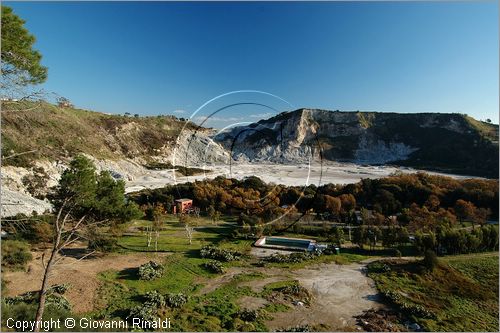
(481,216)
(21,64)
(430,260)
(432,202)
(82,200)
(332,205)
(186,221)
(337,236)
(360,236)
(347,205)
(157,223)
(464,209)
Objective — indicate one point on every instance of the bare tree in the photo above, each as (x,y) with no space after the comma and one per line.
(67,231)
(149,235)
(189,232)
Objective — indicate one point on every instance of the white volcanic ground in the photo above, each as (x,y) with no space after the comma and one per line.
(15,199)
(286,174)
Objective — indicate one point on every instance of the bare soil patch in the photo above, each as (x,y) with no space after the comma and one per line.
(251,303)
(340,292)
(81,275)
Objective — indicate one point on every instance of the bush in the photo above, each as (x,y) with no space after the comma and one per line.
(59,288)
(53,299)
(176,300)
(151,270)
(213,252)
(410,308)
(103,243)
(430,260)
(292,258)
(248,315)
(155,299)
(214,267)
(15,254)
(143,312)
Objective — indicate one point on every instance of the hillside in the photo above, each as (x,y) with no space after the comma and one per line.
(452,143)
(53,133)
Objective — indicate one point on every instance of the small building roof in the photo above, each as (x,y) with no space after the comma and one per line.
(183,200)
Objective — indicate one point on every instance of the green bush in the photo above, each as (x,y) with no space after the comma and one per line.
(214,267)
(213,252)
(59,288)
(150,271)
(176,300)
(15,254)
(430,260)
(53,299)
(103,243)
(155,299)
(145,312)
(248,315)
(292,258)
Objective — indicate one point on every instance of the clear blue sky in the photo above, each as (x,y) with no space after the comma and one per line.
(157,58)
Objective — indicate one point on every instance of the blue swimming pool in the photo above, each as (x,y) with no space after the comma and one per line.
(286,243)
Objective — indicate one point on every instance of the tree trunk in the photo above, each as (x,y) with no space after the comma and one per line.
(43,291)
(157,233)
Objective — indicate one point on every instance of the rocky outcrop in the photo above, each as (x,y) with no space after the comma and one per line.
(16,202)
(446,142)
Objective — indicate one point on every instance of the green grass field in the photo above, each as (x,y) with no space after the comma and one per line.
(461,294)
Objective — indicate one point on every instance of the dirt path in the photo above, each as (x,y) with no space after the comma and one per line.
(81,275)
(339,292)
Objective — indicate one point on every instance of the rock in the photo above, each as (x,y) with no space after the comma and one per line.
(14,203)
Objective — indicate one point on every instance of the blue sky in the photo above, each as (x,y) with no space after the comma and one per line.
(157,58)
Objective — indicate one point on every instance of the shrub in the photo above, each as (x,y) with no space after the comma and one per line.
(103,243)
(59,288)
(36,183)
(151,270)
(143,312)
(15,254)
(213,252)
(155,299)
(248,315)
(292,258)
(214,267)
(53,300)
(410,308)
(430,260)
(176,300)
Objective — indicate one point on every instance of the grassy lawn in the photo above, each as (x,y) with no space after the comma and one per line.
(461,294)
(217,310)
(173,236)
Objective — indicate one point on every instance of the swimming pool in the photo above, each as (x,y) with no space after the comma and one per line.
(286,243)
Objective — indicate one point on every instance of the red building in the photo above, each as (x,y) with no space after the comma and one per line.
(183,205)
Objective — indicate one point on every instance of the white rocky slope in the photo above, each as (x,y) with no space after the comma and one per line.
(305,135)
(191,149)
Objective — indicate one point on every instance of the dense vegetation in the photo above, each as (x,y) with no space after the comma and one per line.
(387,210)
(459,294)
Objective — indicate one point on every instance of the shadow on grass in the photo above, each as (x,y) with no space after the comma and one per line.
(129,274)
(193,253)
(406,250)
